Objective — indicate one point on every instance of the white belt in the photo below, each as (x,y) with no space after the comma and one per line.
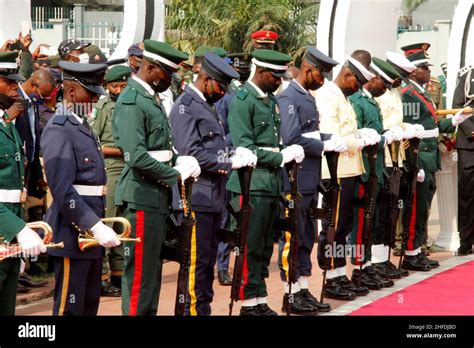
(10,196)
(86,190)
(272,149)
(432,133)
(161,156)
(313,135)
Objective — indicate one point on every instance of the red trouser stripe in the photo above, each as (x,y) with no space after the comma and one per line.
(360,227)
(411,229)
(245,271)
(137,275)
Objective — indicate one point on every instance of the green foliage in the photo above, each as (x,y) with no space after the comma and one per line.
(412,5)
(229,23)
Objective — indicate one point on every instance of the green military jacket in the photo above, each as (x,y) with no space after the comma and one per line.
(101,124)
(419,109)
(369,116)
(12,177)
(140,125)
(254,122)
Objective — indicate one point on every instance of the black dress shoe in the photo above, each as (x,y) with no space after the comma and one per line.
(384,269)
(21,289)
(224,278)
(431,263)
(364,279)
(335,290)
(26,280)
(266,311)
(252,311)
(351,286)
(381,278)
(463,251)
(414,263)
(298,305)
(322,307)
(403,272)
(108,290)
(116,281)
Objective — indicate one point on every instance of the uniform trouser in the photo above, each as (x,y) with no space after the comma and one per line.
(203,258)
(77,287)
(259,248)
(420,211)
(344,222)
(306,238)
(223,250)
(466,197)
(9,269)
(360,253)
(113,260)
(141,280)
(384,221)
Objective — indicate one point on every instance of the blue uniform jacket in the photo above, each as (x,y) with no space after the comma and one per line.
(72,156)
(198,131)
(299,115)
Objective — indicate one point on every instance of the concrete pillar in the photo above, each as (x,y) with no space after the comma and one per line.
(79,10)
(447,193)
(60,28)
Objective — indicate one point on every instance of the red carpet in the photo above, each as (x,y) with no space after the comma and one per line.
(448,293)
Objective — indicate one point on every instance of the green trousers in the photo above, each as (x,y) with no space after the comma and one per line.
(141,280)
(9,269)
(420,212)
(113,260)
(259,244)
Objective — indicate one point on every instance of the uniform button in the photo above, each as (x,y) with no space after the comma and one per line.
(275,128)
(276,134)
(309,121)
(263,122)
(223,138)
(210,133)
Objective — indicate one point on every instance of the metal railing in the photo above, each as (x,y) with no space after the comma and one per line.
(41,15)
(103,34)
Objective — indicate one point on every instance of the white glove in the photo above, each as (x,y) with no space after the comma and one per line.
(190,163)
(421,176)
(389,137)
(360,144)
(410,133)
(369,135)
(292,152)
(249,158)
(184,171)
(30,242)
(313,135)
(397,133)
(105,235)
(460,117)
(420,131)
(336,143)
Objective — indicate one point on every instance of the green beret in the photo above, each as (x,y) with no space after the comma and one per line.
(220,51)
(163,53)
(118,73)
(385,70)
(202,50)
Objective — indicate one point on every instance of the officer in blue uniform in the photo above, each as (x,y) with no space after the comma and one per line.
(241,62)
(198,131)
(76,176)
(300,125)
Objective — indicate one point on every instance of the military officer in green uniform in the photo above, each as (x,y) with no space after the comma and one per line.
(141,131)
(254,123)
(101,123)
(369,116)
(419,109)
(12,184)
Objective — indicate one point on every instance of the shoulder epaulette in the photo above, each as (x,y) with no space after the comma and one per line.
(60,119)
(243,93)
(129,97)
(464,70)
(186,99)
(100,104)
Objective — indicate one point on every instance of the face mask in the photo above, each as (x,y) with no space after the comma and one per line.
(161,86)
(270,87)
(83,58)
(195,77)
(113,96)
(53,94)
(244,75)
(6,101)
(36,98)
(213,97)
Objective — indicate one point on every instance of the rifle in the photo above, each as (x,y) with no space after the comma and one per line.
(187,228)
(394,191)
(331,194)
(243,219)
(412,179)
(292,207)
(369,202)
